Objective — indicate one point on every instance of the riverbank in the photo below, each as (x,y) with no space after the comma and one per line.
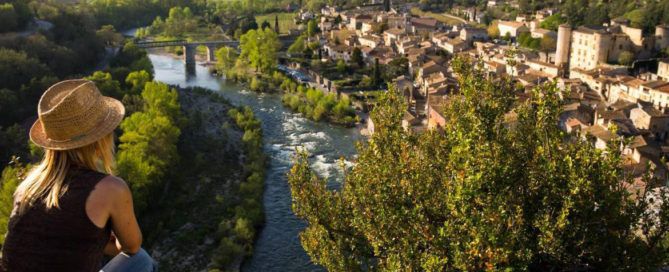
(201,203)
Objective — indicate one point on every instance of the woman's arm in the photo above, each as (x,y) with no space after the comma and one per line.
(122,215)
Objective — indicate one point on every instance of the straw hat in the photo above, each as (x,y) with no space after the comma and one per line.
(73,114)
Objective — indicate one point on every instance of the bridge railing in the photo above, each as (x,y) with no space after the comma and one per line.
(161,43)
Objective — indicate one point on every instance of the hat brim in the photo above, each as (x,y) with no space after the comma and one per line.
(116,112)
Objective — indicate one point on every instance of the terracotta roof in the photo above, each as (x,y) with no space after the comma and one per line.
(591,29)
(542,31)
(599,132)
(395,31)
(655,84)
(366,49)
(424,22)
(542,63)
(664,89)
(572,122)
(513,24)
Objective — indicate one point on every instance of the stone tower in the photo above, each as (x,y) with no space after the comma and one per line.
(563,43)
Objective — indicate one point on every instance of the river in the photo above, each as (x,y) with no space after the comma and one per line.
(277,247)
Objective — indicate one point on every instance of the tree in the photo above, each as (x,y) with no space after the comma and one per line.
(108,35)
(379,28)
(106,84)
(276,24)
(265,24)
(297,46)
(376,79)
(259,48)
(493,31)
(341,66)
(552,22)
(480,194)
(140,162)
(17,68)
(626,58)
(8,18)
(396,68)
(226,58)
(356,57)
(312,28)
(137,80)
(548,44)
(179,22)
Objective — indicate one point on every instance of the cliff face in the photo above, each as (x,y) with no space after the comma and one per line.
(182,230)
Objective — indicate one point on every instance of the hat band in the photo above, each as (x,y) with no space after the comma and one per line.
(82,135)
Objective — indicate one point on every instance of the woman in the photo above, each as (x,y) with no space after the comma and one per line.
(69,211)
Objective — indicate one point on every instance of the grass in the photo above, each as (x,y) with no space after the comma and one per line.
(286,20)
(442,17)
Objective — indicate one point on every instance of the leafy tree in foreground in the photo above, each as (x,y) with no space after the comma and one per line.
(147,147)
(481,194)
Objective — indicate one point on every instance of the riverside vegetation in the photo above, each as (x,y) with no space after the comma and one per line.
(487,192)
(256,65)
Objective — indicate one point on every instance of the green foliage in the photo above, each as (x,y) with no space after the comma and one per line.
(179,23)
(249,211)
(131,58)
(108,35)
(316,105)
(259,49)
(265,24)
(129,13)
(11,177)
(493,30)
(525,40)
(547,44)
(226,252)
(298,45)
(395,68)
(17,68)
(148,144)
(356,57)
(8,18)
(256,84)
(226,58)
(641,15)
(285,21)
(137,80)
(552,22)
(341,66)
(481,194)
(376,76)
(312,28)
(106,84)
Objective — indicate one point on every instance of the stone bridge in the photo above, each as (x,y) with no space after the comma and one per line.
(190,48)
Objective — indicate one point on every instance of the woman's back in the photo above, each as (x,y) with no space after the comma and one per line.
(58,239)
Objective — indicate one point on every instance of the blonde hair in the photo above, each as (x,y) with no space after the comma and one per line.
(46,181)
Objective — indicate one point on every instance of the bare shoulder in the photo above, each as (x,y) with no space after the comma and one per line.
(114,185)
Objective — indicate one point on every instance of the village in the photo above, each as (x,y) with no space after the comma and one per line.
(612,88)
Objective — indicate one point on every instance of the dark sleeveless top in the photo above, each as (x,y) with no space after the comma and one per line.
(58,239)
